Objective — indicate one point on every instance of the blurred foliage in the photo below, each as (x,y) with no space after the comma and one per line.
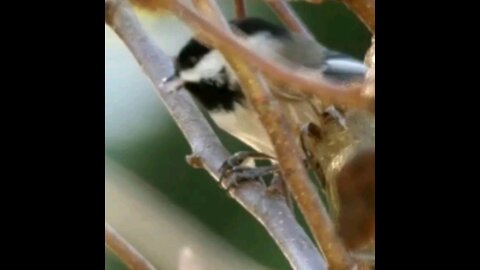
(157,153)
(112,262)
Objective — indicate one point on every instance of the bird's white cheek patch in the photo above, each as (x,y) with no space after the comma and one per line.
(208,68)
(190,75)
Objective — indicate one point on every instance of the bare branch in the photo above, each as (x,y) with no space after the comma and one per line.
(370,80)
(240,9)
(288,153)
(304,79)
(126,252)
(365,10)
(212,11)
(289,18)
(269,209)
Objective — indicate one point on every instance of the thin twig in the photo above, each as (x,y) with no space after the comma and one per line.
(365,10)
(126,252)
(269,209)
(370,78)
(288,154)
(306,80)
(289,18)
(240,9)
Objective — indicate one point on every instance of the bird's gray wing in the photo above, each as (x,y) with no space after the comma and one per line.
(297,53)
(334,65)
(300,52)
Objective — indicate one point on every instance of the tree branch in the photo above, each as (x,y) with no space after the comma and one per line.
(306,80)
(126,252)
(240,9)
(370,61)
(289,18)
(365,10)
(269,209)
(288,153)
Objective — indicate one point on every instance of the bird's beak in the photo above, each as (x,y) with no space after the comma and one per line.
(174,81)
(170,78)
(176,66)
(175,75)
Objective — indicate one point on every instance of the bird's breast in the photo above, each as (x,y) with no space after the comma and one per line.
(243,123)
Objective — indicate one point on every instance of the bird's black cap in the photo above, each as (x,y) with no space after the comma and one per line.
(193,51)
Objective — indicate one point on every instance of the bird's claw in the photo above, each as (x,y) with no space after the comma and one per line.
(233,172)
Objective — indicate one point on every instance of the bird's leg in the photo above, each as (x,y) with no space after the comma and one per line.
(310,131)
(234,167)
(311,135)
(334,113)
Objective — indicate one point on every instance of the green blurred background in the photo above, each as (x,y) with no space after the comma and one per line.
(140,135)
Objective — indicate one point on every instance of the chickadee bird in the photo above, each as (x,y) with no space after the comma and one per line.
(209,78)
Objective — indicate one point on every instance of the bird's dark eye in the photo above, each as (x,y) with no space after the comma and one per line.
(192,59)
